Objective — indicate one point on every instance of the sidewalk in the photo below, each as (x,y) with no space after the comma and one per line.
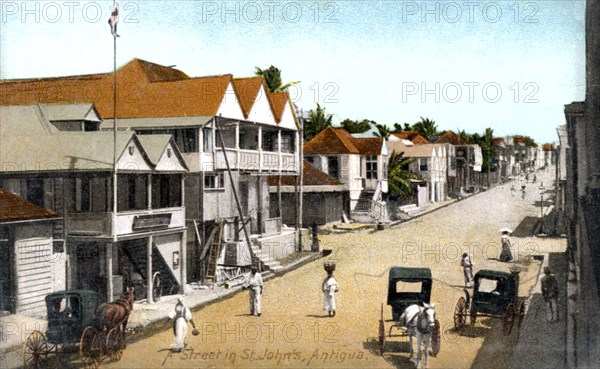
(542,344)
(144,319)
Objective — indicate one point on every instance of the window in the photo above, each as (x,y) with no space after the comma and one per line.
(35,192)
(186,139)
(84,194)
(214,181)
(333,168)
(371,167)
(166,191)
(423,165)
(287,141)
(269,141)
(132,192)
(207,139)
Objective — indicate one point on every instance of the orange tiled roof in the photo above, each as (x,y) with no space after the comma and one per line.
(13,208)
(144,90)
(413,136)
(311,176)
(333,140)
(277,101)
(547,147)
(247,90)
(451,138)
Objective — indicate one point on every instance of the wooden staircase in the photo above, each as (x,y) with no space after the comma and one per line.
(137,254)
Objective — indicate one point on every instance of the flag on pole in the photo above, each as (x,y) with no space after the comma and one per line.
(114,19)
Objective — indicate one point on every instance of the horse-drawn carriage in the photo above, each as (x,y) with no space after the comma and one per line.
(495,294)
(410,289)
(77,324)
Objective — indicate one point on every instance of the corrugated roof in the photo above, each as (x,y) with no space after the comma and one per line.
(65,151)
(169,122)
(13,208)
(311,176)
(451,138)
(24,120)
(66,112)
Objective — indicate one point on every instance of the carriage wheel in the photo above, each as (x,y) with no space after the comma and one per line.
(35,350)
(381,333)
(90,348)
(436,339)
(114,344)
(521,313)
(460,312)
(473,317)
(508,319)
(157,286)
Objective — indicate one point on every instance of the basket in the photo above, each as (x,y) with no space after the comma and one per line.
(329,266)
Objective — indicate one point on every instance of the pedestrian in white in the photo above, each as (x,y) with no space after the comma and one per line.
(550,293)
(467,266)
(329,288)
(254,283)
(180,315)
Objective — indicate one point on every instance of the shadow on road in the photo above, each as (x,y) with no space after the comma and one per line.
(527,227)
(396,351)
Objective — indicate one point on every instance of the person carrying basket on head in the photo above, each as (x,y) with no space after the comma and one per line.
(181,315)
(329,288)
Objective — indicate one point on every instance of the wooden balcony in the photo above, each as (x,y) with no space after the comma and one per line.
(127,222)
(256,160)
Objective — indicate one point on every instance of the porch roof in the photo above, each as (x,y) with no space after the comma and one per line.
(66,112)
(165,122)
(15,208)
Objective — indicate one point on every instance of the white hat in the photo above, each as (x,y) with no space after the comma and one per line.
(180,299)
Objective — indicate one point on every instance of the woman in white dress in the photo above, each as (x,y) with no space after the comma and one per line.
(330,288)
(180,315)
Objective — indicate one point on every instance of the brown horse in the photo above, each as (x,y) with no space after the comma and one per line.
(115,314)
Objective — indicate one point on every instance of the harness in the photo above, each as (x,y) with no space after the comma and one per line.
(420,328)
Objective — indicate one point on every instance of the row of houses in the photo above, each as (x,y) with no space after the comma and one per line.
(450,168)
(191,179)
(180,189)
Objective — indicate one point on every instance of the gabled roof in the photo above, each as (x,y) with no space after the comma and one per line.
(311,176)
(451,138)
(413,136)
(331,141)
(144,90)
(67,112)
(66,151)
(24,120)
(247,90)
(156,145)
(13,208)
(334,140)
(414,151)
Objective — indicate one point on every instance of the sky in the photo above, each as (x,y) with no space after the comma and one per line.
(508,65)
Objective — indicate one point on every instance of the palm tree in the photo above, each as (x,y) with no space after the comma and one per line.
(401,127)
(354,126)
(272,77)
(427,128)
(382,130)
(399,176)
(317,121)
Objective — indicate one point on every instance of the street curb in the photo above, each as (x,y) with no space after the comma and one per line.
(157,325)
(398,222)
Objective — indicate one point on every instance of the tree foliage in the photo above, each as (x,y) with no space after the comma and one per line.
(427,128)
(272,77)
(316,121)
(354,126)
(382,131)
(399,176)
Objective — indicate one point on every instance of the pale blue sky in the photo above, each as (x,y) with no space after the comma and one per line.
(507,65)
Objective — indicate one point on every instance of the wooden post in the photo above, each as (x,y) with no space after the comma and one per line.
(149,281)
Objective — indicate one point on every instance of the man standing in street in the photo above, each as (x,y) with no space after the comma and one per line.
(550,293)
(467,265)
(254,282)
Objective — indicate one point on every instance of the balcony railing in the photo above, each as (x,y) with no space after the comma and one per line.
(260,161)
(127,222)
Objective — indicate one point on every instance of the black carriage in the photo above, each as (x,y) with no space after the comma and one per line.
(406,287)
(495,294)
(73,327)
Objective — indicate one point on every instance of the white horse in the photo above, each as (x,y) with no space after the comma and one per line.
(420,322)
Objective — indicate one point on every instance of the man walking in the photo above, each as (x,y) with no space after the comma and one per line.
(254,283)
(550,293)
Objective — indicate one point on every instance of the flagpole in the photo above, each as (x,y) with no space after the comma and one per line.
(110,286)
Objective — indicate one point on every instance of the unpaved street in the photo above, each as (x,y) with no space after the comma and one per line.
(294,332)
